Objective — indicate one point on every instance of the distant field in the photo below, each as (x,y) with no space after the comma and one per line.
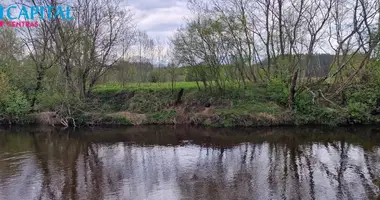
(142,86)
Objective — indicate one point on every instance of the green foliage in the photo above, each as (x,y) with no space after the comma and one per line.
(4,85)
(251,107)
(49,101)
(228,121)
(154,77)
(309,112)
(304,103)
(118,120)
(124,121)
(22,75)
(365,96)
(330,116)
(191,75)
(149,102)
(196,73)
(360,103)
(111,88)
(278,91)
(372,73)
(82,119)
(358,112)
(164,115)
(321,115)
(15,104)
(52,100)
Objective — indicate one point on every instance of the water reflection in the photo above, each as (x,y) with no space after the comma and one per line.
(188,163)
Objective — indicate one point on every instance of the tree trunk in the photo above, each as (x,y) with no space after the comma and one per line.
(40,75)
(292,93)
(280,27)
(179,97)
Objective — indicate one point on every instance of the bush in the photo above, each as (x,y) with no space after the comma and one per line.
(52,100)
(49,101)
(4,86)
(365,96)
(304,103)
(309,112)
(360,103)
(278,91)
(358,112)
(15,104)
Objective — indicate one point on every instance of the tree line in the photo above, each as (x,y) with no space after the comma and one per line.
(267,40)
(302,44)
(58,63)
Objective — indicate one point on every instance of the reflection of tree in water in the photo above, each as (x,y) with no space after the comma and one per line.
(76,167)
(282,171)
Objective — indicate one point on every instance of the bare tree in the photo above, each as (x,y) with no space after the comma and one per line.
(281,38)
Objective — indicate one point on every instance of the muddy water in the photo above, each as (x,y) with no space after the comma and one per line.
(189,163)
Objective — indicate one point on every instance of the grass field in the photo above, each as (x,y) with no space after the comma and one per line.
(144,86)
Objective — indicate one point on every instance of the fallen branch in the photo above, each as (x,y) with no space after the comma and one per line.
(329,101)
(320,94)
(64,122)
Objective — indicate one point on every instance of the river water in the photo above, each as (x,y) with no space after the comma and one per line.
(160,162)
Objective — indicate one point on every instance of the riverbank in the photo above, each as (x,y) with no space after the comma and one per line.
(261,105)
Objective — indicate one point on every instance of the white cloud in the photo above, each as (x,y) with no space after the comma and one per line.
(159,18)
(153,4)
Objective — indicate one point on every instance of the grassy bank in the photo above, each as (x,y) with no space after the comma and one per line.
(159,103)
(258,105)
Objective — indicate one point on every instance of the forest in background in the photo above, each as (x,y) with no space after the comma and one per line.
(234,63)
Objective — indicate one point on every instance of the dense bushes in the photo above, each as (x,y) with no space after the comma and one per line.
(13,102)
(279,91)
(361,102)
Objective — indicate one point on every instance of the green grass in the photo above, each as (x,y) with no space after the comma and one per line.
(165,115)
(116,87)
(152,97)
(250,108)
(144,86)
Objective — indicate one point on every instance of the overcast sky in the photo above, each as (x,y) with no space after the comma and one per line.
(159,18)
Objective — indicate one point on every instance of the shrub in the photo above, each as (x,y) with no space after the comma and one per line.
(360,103)
(365,96)
(49,100)
(358,112)
(4,86)
(304,103)
(278,91)
(16,104)
(13,102)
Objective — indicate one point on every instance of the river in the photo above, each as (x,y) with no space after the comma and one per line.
(165,162)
